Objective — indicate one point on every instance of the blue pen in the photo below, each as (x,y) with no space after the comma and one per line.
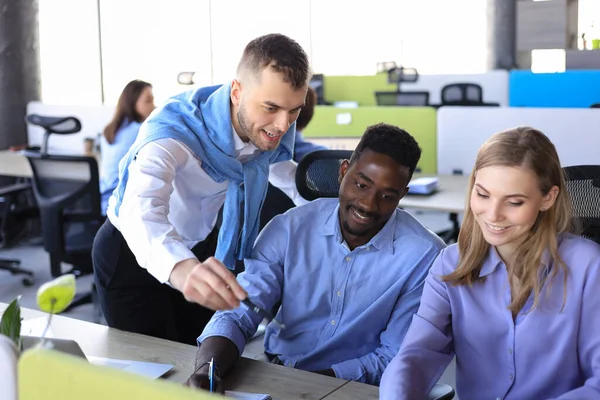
(211,373)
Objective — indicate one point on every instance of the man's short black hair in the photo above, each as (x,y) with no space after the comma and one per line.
(392,141)
(282,54)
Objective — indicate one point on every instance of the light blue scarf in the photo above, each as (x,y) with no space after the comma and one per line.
(201,120)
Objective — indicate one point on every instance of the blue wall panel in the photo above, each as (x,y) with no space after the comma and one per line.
(565,89)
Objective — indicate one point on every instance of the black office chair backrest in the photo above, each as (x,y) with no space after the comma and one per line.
(58,125)
(317,174)
(595,105)
(583,185)
(67,191)
(413,98)
(462,94)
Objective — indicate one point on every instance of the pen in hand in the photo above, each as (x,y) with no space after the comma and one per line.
(211,375)
(263,313)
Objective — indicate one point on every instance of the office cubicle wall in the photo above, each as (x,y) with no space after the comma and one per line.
(93,120)
(338,125)
(462,130)
(362,88)
(565,89)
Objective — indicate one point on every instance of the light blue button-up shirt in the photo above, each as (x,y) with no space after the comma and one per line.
(545,354)
(342,309)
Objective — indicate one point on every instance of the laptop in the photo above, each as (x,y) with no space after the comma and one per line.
(147,369)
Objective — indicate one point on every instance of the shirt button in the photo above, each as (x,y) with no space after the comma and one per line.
(511,376)
(339,293)
(368,248)
(333,322)
(510,351)
(348,258)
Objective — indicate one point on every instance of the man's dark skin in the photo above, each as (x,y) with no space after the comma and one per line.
(370,189)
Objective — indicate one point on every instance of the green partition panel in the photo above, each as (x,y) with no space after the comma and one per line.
(420,122)
(356,88)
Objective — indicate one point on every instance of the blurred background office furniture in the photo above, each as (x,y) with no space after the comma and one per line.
(317,82)
(399,75)
(413,98)
(10,218)
(595,105)
(583,185)
(66,188)
(463,94)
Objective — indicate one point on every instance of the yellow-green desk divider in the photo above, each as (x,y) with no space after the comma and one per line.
(46,374)
(420,122)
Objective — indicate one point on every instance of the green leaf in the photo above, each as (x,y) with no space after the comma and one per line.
(10,325)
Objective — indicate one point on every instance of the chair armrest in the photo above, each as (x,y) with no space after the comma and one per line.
(14,189)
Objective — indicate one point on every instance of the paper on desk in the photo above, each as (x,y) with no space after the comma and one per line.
(247,396)
(35,327)
(147,369)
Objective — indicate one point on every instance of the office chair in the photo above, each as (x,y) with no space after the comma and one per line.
(9,195)
(583,185)
(464,94)
(595,105)
(66,188)
(317,175)
(413,98)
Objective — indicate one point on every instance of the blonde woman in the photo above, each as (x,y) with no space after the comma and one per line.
(517,300)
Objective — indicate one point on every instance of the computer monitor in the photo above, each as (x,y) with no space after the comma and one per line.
(317,83)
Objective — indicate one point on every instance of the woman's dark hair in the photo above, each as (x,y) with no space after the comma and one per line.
(126,108)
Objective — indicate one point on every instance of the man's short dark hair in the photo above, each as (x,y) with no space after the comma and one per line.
(392,141)
(282,54)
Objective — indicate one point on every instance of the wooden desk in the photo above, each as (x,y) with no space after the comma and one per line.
(355,390)
(450,197)
(13,163)
(248,375)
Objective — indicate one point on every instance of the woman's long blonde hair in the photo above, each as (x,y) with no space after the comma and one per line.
(528,148)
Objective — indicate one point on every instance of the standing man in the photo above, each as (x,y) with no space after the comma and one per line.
(210,147)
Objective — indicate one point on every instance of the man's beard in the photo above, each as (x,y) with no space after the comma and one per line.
(245,126)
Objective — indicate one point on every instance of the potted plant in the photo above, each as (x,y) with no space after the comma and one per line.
(52,297)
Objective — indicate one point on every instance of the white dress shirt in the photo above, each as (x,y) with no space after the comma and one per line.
(170,203)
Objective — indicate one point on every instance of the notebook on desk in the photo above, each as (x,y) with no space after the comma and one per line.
(247,396)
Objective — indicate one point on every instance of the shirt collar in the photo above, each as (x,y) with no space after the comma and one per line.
(383,240)
(240,146)
(493,260)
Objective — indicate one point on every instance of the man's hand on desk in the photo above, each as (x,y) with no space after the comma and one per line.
(223,352)
(200,380)
(209,284)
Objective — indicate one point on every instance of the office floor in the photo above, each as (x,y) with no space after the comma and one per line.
(34,258)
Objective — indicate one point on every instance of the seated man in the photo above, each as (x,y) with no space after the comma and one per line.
(348,273)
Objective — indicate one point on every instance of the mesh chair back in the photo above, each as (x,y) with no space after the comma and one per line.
(318,173)
(67,192)
(462,93)
(583,185)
